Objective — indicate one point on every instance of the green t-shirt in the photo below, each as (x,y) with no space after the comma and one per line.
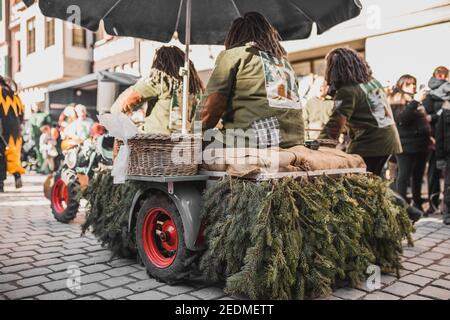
(262,94)
(373,132)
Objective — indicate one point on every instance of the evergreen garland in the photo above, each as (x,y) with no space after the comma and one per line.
(107,213)
(297,239)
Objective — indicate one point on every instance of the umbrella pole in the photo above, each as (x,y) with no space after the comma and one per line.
(187,68)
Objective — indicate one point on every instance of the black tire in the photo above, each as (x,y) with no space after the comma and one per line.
(184,259)
(71,209)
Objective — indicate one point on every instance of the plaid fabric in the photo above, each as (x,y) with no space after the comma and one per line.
(267,131)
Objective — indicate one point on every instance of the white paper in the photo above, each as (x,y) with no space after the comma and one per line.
(121,127)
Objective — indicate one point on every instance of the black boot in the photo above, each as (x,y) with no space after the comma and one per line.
(413,213)
(18,180)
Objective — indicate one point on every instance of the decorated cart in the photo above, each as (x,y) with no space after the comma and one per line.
(295,227)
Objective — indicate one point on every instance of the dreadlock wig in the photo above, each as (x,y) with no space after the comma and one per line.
(346,67)
(169,59)
(253,27)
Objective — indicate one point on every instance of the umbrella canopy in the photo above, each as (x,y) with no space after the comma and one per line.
(159,19)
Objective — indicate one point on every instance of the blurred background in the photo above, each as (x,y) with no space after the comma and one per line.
(57,63)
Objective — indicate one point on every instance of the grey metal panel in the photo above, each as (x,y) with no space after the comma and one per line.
(165,179)
(188,201)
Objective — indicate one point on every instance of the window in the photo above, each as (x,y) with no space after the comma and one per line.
(49,32)
(78,37)
(31,36)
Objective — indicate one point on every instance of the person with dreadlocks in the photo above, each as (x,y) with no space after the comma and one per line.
(163,90)
(11,118)
(361,104)
(254,88)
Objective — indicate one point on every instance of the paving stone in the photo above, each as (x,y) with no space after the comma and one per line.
(49,250)
(93,277)
(95,268)
(88,289)
(209,293)
(115,293)
(89,298)
(121,271)
(117,281)
(443,250)
(69,252)
(411,266)
(32,281)
(49,262)
(142,275)
(416,297)
(388,279)
(421,261)
(444,262)
(58,295)
(5,287)
(56,285)
(121,263)
(46,256)
(144,285)
(175,290)
(416,280)
(429,273)
(436,293)
(445,284)
(16,268)
(24,293)
(65,265)
(35,272)
(349,294)
(5,251)
(9,277)
(186,297)
(380,296)
(401,289)
(432,255)
(436,267)
(12,262)
(76,257)
(149,295)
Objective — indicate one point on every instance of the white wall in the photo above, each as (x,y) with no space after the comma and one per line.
(417,52)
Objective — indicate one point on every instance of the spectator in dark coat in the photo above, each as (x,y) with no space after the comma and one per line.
(415,136)
(433,104)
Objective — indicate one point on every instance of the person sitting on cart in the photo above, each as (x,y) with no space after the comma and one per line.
(360,103)
(163,90)
(253,87)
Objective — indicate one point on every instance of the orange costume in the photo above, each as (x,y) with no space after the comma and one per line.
(11,117)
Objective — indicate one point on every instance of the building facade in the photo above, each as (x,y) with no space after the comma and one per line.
(45,51)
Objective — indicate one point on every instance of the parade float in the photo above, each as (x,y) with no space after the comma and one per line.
(300,229)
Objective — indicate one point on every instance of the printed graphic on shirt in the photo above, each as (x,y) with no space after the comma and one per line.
(281,83)
(378,104)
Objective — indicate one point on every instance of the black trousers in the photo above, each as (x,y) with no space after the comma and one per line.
(411,167)
(434,186)
(2,164)
(375,164)
(447,190)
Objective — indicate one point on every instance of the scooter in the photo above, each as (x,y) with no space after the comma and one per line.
(80,164)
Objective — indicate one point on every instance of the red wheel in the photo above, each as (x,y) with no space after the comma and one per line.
(160,237)
(60,196)
(64,199)
(160,240)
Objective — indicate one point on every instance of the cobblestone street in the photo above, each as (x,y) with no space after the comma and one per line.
(36,252)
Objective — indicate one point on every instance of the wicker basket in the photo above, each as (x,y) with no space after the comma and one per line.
(159,155)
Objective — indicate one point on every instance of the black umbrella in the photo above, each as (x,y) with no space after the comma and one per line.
(204,21)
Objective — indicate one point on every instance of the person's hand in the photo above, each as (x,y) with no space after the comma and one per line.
(421,95)
(429,118)
(441,164)
(433,141)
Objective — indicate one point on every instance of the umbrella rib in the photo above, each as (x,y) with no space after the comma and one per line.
(179,15)
(236,8)
(111,9)
(301,11)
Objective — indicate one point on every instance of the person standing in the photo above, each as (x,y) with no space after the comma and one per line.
(11,117)
(38,119)
(360,103)
(415,135)
(443,151)
(318,109)
(440,87)
(80,129)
